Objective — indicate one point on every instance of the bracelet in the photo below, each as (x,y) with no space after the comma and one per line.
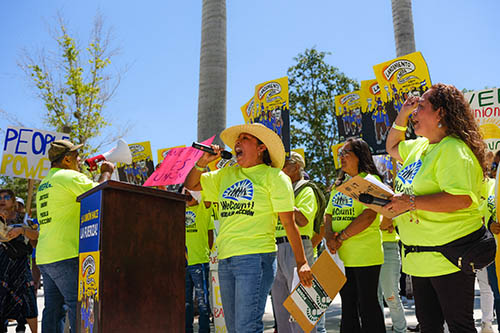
(342,234)
(399,128)
(199,168)
(413,206)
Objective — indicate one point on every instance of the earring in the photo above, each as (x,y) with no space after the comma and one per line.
(439,125)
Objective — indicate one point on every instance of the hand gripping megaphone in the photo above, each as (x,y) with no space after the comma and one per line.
(120,154)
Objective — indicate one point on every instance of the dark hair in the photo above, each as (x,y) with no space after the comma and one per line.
(266,158)
(366,164)
(459,119)
(12,194)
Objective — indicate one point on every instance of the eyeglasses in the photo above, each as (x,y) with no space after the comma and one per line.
(343,152)
(5,197)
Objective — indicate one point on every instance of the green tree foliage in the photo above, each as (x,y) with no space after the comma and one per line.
(313,85)
(74,84)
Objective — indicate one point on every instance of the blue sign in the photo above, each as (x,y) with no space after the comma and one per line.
(90,221)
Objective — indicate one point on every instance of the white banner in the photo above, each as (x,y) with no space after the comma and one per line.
(485,105)
(26,152)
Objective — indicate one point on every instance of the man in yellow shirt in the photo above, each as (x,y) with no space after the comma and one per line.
(59,217)
(304,213)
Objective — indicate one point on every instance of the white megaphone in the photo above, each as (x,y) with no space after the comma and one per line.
(120,154)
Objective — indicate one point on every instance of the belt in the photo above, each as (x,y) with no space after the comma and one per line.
(284,239)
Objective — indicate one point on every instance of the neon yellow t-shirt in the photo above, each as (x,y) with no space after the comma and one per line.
(198,223)
(58,213)
(487,206)
(448,166)
(363,249)
(306,203)
(249,202)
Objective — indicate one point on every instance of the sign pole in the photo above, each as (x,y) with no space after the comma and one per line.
(31,183)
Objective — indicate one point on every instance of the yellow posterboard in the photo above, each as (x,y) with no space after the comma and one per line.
(163,152)
(348,112)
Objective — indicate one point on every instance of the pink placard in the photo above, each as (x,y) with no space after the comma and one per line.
(176,165)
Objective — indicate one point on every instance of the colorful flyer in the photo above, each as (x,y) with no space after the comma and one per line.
(485,105)
(142,164)
(161,153)
(248,111)
(348,114)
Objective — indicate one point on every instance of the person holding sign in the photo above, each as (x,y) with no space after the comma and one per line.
(251,195)
(59,218)
(438,190)
(17,292)
(352,230)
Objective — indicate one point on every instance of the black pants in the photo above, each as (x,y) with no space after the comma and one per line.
(360,300)
(447,297)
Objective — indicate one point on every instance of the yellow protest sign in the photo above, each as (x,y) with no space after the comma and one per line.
(348,113)
(164,151)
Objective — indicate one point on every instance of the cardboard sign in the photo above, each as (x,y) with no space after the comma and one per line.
(164,152)
(308,304)
(348,113)
(369,185)
(26,152)
(176,165)
(485,105)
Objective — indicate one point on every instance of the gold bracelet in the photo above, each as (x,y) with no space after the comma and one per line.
(399,128)
(199,168)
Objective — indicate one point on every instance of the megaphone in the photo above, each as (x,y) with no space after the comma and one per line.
(120,154)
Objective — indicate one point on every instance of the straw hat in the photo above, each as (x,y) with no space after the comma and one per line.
(267,136)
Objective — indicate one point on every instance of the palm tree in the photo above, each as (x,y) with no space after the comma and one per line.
(213,64)
(402,20)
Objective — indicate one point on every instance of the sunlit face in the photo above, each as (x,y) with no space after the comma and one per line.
(425,119)
(7,202)
(290,168)
(348,159)
(248,150)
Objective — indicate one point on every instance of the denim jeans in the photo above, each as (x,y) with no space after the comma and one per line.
(60,284)
(245,282)
(492,278)
(389,286)
(197,279)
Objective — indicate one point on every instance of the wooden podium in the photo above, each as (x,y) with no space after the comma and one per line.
(132,263)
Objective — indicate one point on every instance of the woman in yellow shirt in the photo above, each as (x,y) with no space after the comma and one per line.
(439,188)
(251,195)
(352,230)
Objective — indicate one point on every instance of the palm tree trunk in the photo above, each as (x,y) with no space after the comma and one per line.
(402,20)
(213,64)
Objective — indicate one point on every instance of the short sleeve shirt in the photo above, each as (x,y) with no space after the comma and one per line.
(363,249)
(448,166)
(308,206)
(249,202)
(198,223)
(58,214)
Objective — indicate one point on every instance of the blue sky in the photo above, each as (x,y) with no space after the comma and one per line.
(160,42)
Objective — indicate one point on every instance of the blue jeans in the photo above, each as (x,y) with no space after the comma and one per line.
(245,282)
(389,286)
(197,279)
(60,285)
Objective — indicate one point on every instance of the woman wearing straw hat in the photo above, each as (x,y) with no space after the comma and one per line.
(251,196)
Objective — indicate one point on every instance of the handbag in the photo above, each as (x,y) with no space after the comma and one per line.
(470,253)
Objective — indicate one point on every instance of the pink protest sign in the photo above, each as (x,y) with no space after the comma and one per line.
(176,165)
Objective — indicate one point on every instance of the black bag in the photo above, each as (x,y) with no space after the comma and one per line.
(17,248)
(469,253)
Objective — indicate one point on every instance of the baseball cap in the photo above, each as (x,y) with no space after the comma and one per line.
(59,148)
(20,200)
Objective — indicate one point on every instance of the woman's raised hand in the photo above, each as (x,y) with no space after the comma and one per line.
(409,105)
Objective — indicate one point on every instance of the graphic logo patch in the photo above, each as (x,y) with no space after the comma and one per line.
(409,172)
(341,200)
(190,218)
(240,190)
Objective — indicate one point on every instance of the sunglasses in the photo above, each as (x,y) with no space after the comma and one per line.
(5,197)
(343,152)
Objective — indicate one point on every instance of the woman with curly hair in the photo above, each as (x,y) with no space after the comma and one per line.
(438,190)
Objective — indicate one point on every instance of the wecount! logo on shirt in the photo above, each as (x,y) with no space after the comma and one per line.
(340,200)
(239,190)
(190,219)
(409,172)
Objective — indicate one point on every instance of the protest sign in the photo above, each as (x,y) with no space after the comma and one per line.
(248,111)
(376,122)
(336,157)
(25,152)
(142,165)
(176,165)
(272,108)
(308,304)
(164,151)
(348,114)
(485,105)
(400,78)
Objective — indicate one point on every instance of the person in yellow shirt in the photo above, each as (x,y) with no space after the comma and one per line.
(438,195)
(251,196)
(304,212)
(59,218)
(352,230)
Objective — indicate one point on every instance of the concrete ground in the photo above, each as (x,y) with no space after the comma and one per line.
(332,315)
